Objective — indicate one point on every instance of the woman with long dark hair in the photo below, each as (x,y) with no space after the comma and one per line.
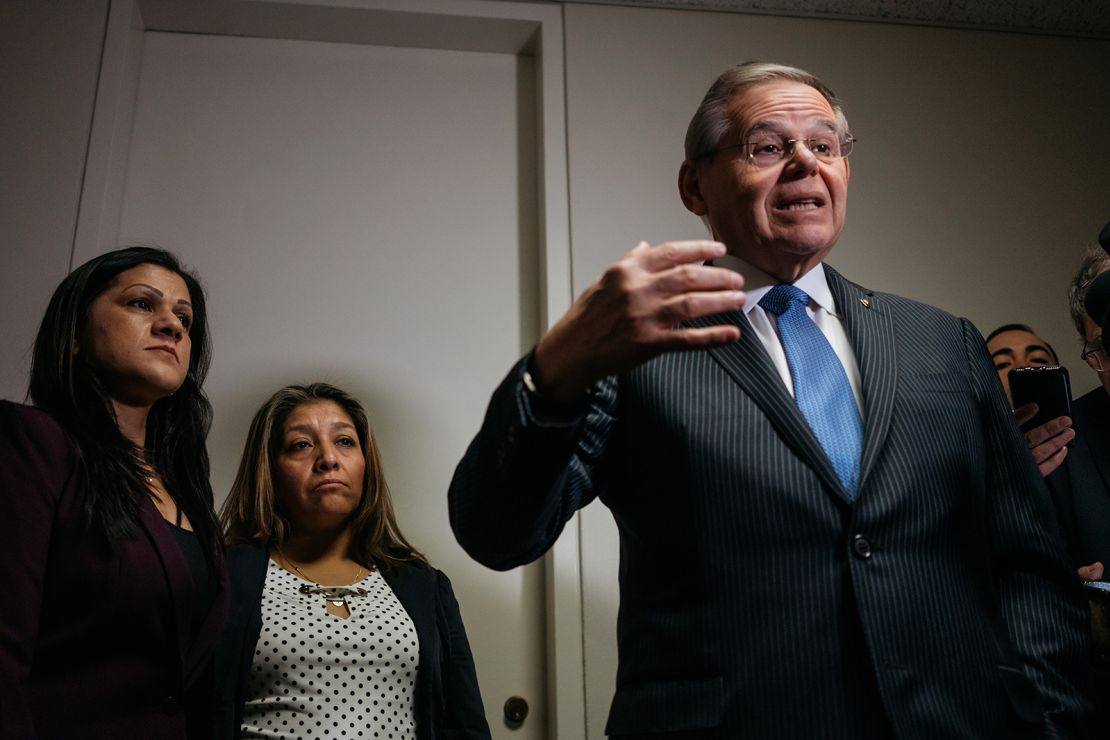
(114,583)
(338,627)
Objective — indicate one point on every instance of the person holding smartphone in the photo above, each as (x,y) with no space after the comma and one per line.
(1017,346)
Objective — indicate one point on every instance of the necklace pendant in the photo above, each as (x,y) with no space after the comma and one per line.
(340,603)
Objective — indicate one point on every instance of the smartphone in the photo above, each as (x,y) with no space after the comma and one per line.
(1048,387)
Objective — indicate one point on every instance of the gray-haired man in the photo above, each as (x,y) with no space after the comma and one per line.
(830,526)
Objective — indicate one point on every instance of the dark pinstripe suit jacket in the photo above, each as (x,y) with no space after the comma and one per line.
(755,598)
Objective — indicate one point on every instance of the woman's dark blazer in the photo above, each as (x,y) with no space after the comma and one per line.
(448,705)
(95,636)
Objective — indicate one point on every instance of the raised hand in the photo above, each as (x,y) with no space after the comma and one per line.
(630,315)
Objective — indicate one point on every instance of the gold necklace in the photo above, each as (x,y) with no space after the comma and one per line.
(334,595)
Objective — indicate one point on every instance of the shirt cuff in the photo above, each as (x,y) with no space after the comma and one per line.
(544,412)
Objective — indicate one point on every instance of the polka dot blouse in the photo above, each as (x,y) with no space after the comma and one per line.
(316,675)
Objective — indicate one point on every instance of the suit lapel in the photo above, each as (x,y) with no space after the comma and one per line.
(870,329)
(174,569)
(179,582)
(749,365)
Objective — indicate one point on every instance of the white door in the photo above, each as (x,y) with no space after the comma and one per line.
(365,216)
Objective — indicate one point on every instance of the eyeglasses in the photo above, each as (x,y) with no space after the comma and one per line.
(768,149)
(1097,359)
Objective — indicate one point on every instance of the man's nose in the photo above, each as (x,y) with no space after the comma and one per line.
(800,161)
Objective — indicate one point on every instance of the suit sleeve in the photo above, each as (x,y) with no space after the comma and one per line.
(464,717)
(1039,593)
(36,465)
(526,473)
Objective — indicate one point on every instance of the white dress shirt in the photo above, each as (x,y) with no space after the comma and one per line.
(821,308)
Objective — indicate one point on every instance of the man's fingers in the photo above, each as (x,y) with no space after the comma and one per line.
(699,338)
(1051,446)
(695,305)
(671,254)
(1054,461)
(697,277)
(1049,429)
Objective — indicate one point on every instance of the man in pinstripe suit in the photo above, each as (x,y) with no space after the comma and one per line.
(764,592)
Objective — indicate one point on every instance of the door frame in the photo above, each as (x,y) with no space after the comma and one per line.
(519,28)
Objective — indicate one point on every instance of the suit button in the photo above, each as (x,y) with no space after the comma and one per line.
(861,547)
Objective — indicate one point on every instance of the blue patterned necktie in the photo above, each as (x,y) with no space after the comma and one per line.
(821,387)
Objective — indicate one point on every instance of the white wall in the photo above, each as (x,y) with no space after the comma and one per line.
(980,175)
(49,58)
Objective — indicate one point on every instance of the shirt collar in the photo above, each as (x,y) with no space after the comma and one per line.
(757,283)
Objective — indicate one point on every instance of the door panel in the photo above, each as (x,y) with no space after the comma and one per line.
(365,216)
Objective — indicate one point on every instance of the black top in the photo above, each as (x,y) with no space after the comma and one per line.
(203,578)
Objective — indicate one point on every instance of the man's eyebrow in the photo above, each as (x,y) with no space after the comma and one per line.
(1003,351)
(1036,347)
(777,124)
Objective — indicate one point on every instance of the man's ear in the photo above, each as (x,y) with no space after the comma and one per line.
(689,189)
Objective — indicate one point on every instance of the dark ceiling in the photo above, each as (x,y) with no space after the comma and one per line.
(1084,18)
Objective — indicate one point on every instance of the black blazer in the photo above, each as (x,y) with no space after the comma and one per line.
(1081,486)
(756,599)
(95,637)
(447,704)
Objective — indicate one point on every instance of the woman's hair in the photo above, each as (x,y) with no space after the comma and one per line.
(251,513)
(64,386)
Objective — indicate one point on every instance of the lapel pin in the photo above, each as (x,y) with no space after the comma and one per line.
(865,302)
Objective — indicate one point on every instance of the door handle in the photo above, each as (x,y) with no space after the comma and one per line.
(516,710)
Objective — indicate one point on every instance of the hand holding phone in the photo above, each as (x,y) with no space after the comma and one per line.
(1048,387)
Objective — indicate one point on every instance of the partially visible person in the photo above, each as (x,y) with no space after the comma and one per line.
(1017,345)
(114,586)
(339,627)
(1081,488)
(1014,346)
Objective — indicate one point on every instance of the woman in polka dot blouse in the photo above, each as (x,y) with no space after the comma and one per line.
(339,628)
